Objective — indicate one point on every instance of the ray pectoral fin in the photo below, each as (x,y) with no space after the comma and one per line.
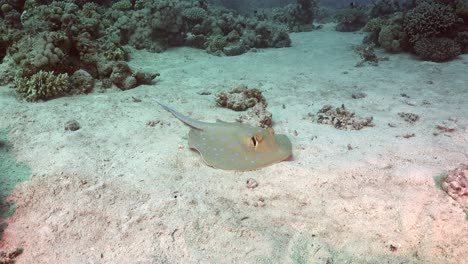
(284,145)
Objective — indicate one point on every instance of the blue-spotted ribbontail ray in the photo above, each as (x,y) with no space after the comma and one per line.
(235,146)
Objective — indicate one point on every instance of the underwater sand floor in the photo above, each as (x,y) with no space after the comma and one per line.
(120,191)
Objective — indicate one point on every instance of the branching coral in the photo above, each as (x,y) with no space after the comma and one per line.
(437,49)
(429,20)
(42,86)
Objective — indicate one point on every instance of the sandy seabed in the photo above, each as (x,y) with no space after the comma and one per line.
(121,191)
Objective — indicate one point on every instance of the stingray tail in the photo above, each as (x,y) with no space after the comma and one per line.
(188,121)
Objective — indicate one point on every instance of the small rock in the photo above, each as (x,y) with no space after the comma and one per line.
(82,82)
(358,95)
(234,50)
(408,135)
(152,123)
(409,117)
(411,103)
(72,125)
(204,92)
(251,183)
(260,202)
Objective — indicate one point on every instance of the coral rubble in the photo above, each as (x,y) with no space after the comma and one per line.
(455,184)
(240,98)
(257,116)
(409,117)
(342,118)
(8,257)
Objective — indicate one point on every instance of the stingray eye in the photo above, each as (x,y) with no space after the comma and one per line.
(254,141)
(270,131)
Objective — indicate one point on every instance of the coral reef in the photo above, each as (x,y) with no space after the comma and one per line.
(433,30)
(383,8)
(429,20)
(257,116)
(342,118)
(42,52)
(158,25)
(455,184)
(297,17)
(74,36)
(437,49)
(42,86)
(64,38)
(391,38)
(240,98)
(350,19)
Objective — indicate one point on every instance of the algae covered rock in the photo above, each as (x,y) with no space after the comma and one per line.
(342,118)
(455,184)
(82,82)
(257,116)
(125,78)
(240,98)
(42,86)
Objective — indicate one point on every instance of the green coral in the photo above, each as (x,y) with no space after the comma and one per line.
(197,14)
(374,25)
(122,5)
(42,86)
(392,38)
